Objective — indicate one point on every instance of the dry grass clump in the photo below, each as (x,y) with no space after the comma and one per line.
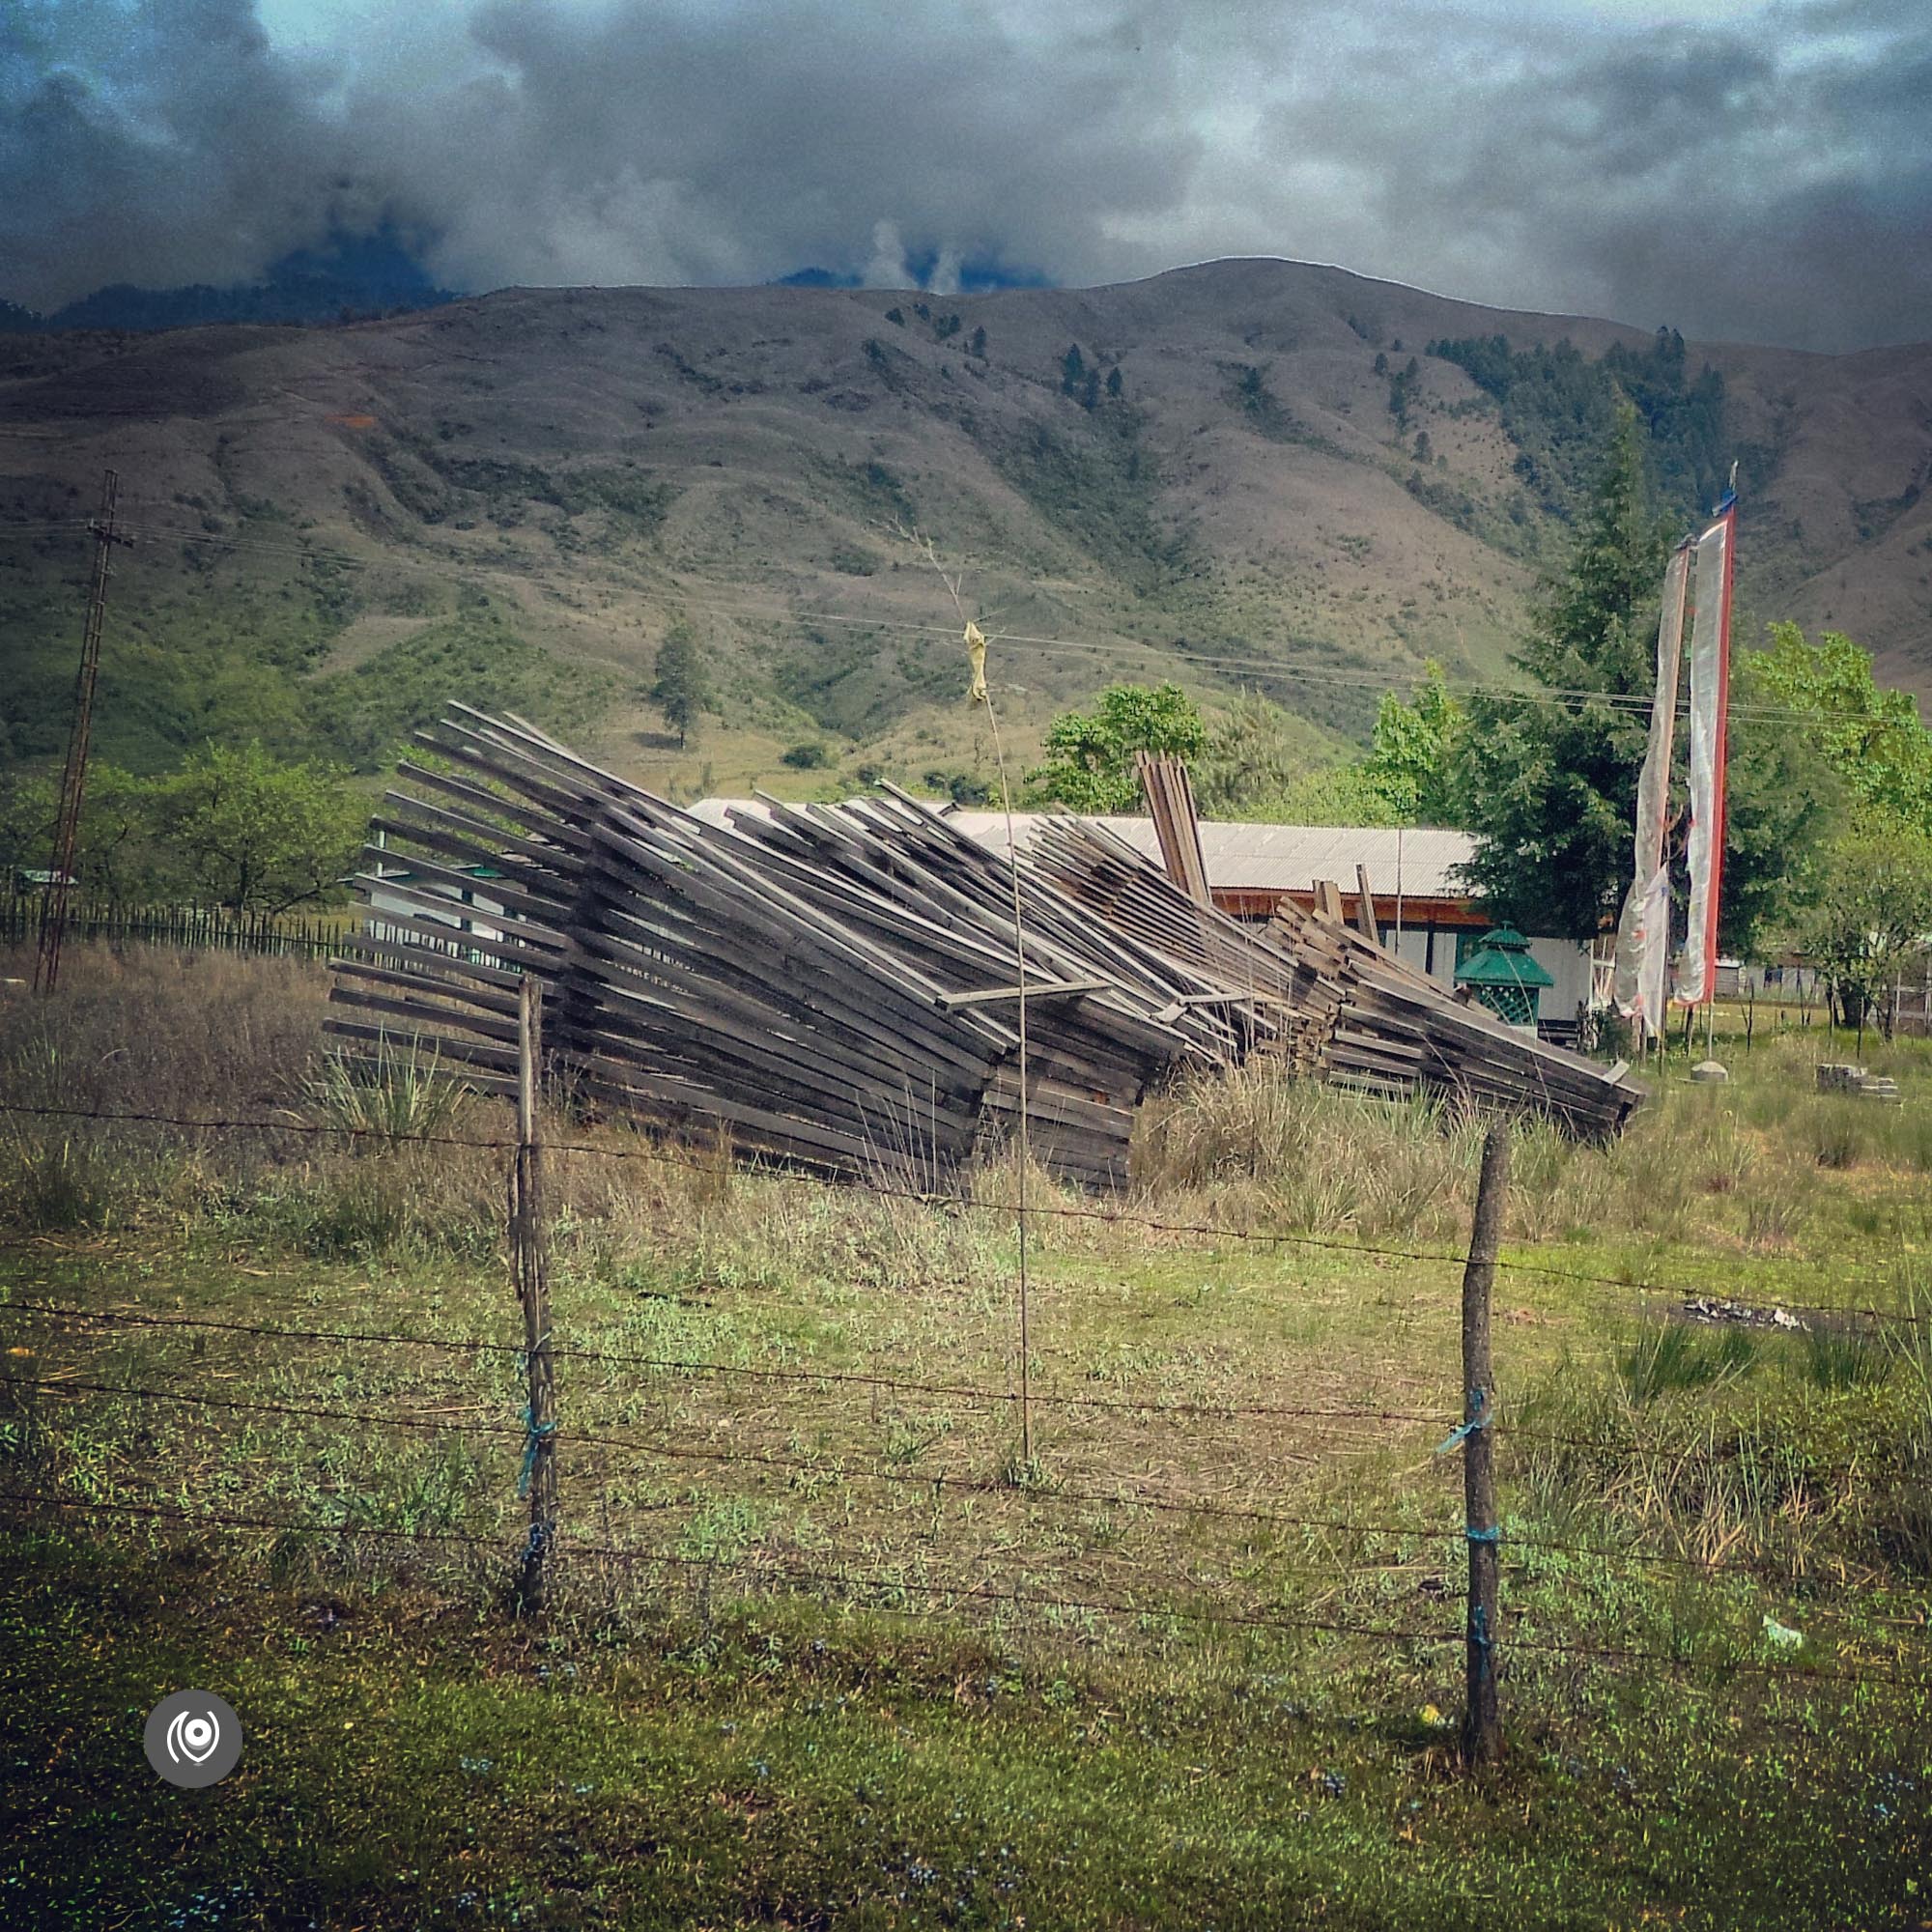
(1260,1145)
(147,1031)
(398,1094)
(152,1030)
(1791,1451)
(1255,1147)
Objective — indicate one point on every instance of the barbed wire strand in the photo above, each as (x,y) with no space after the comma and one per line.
(1018,1599)
(935,1482)
(874,1380)
(863,1379)
(958,1203)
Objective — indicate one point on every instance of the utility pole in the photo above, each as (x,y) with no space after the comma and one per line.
(74,774)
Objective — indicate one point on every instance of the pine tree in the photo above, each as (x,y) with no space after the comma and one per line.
(1553,783)
(1551,779)
(682,688)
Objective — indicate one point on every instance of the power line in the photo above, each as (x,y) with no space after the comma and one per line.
(1561,697)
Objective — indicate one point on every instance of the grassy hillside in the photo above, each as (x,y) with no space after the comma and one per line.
(1251,472)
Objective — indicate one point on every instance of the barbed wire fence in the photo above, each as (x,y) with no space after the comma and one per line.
(545,1428)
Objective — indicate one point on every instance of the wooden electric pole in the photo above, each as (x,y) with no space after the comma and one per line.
(74,774)
(1482,1721)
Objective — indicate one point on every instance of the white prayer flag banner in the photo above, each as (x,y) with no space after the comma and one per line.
(1643,931)
(1710,720)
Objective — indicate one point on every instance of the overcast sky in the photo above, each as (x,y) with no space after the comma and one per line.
(1742,170)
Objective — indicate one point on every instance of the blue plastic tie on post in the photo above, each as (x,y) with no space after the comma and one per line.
(536,1434)
(1493,1535)
(1462,1431)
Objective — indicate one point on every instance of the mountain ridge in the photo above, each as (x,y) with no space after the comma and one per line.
(1242,459)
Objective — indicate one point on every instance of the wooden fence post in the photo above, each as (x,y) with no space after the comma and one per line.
(1482,1720)
(531,1260)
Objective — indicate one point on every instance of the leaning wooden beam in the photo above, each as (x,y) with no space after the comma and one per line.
(1044,989)
(1365,908)
(1170,802)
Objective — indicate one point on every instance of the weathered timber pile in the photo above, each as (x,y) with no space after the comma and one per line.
(840,987)
(1370,1020)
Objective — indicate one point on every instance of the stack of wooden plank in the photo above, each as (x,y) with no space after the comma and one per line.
(1373,1021)
(840,987)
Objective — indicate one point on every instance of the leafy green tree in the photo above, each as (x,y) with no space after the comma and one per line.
(683,687)
(1871,737)
(1413,765)
(1872,914)
(116,856)
(1265,763)
(1401,388)
(1089,755)
(241,829)
(1341,795)
(1256,756)
(1550,780)
(1072,371)
(1783,804)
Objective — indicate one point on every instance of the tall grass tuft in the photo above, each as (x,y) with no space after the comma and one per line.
(1297,1155)
(1847,1358)
(56,1173)
(1669,1356)
(397,1094)
(53,1182)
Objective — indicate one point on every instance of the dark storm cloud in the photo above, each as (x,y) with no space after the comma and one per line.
(705,145)
(1760,172)
(157,144)
(1767,181)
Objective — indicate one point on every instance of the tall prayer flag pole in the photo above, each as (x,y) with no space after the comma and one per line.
(1716,554)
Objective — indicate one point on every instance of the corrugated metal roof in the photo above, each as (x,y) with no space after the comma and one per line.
(1257,859)
(1284,857)
(1423,861)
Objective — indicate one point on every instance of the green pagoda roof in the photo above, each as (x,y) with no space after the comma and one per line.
(1502,960)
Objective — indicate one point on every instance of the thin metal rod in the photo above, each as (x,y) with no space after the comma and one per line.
(530,1257)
